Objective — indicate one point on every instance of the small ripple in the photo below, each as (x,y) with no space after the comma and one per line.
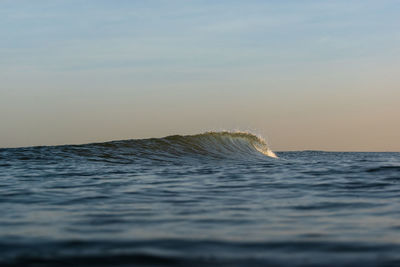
(385,169)
(81,200)
(364,185)
(335,205)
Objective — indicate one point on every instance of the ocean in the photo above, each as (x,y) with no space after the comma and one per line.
(212,199)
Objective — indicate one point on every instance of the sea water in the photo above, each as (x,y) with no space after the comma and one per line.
(211,199)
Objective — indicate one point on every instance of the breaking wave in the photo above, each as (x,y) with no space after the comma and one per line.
(220,144)
(209,145)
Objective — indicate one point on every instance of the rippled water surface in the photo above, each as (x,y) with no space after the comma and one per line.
(214,198)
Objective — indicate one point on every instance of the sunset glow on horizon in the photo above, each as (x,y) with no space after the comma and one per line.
(306,75)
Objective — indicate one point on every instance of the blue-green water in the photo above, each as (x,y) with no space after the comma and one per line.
(210,199)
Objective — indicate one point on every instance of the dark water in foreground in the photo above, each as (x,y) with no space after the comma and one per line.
(211,199)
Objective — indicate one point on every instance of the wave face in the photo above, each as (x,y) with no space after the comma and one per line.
(214,145)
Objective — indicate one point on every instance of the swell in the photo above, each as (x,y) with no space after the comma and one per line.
(215,145)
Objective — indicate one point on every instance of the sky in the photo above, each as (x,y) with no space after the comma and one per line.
(306,75)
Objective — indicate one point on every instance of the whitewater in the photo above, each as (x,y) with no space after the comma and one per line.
(216,198)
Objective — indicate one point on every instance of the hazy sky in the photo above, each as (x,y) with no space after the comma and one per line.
(304,74)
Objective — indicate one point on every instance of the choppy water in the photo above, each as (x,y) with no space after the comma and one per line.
(210,199)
